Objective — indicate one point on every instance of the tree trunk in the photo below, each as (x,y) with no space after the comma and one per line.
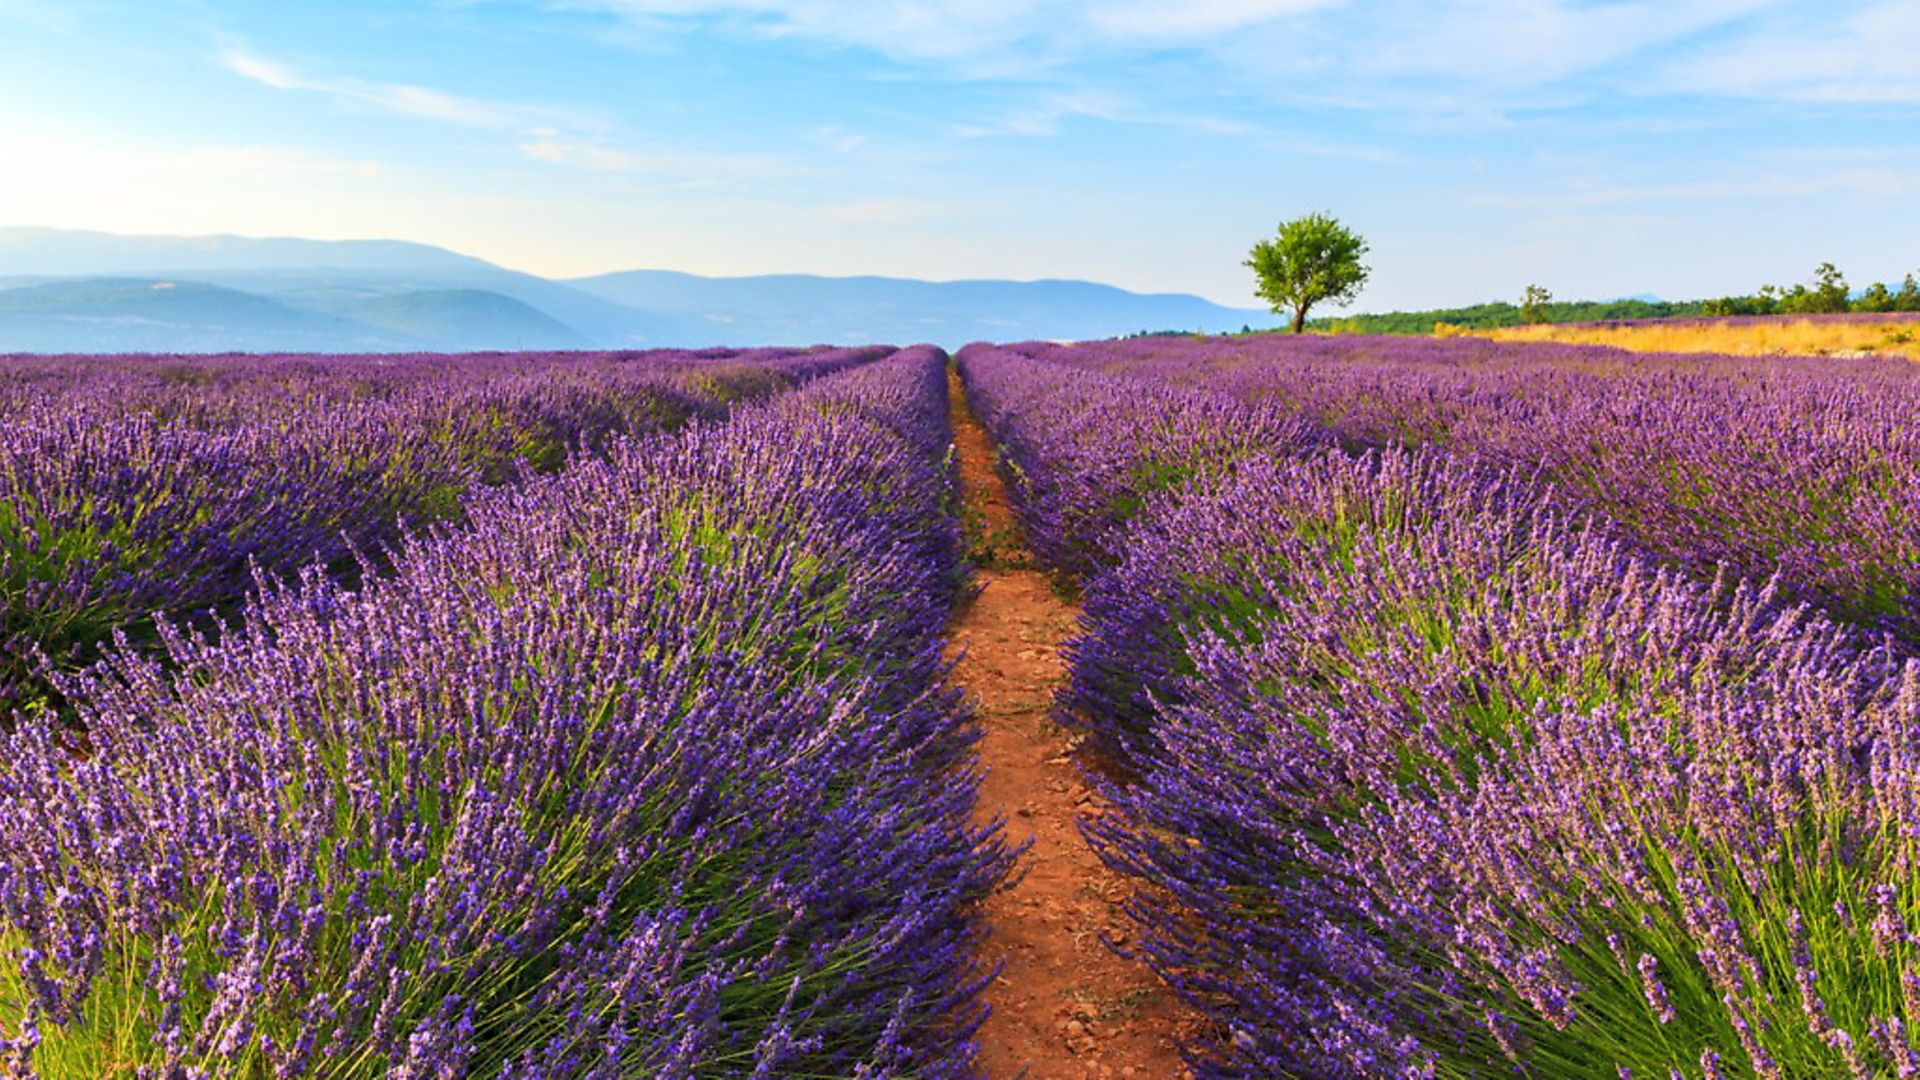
(1299,318)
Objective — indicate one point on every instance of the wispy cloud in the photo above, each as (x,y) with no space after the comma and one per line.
(41,13)
(1477,45)
(539,133)
(1155,20)
(400,99)
(979,38)
(1879,182)
(1417,63)
(1444,56)
(1332,151)
(1871,56)
(839,140)
(1047,115)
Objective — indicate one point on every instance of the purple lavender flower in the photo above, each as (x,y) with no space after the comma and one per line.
(646,768)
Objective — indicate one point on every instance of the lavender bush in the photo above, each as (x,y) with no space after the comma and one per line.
(1435,771)
(648,771)
(129,487)
(1456,784)
(217,391)
(1083,452)
(1808,467)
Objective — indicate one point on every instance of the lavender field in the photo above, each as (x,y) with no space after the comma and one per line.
(1386,544)
(1803,468)
(1555,714)
(640,766)
(1455,709)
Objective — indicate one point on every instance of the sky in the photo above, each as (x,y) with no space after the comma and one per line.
(1681,148)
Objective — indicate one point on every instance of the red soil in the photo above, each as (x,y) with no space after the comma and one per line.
(1064,1004)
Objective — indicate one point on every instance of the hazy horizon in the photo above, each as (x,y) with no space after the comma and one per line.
(1682,149)
(273,237)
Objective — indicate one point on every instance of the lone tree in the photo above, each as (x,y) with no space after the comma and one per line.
(1533,306)
(1315,259)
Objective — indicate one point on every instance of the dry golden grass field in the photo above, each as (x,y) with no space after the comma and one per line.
(1741,337)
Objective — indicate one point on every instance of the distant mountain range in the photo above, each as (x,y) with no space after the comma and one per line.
(70,291)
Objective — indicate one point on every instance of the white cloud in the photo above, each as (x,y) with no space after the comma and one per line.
(1156,20)
(1869,57)
(1527,43)
(36,13)
(1469,59)
(976,38)
(400,99)
(960,32)
(1875,182)
(1047,115)
(1343,53)
(840,141)
(546,135)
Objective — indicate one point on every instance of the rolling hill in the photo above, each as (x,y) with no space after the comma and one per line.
(798,307)
(133,315)
(465,319)
(69,291)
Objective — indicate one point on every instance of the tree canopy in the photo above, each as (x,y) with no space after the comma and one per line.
(1313,260)
(1533,306)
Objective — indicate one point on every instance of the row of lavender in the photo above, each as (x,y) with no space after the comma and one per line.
(649,770)
(136,485)
(1084,453)
(227,390)
(1804,467)
(1429,773)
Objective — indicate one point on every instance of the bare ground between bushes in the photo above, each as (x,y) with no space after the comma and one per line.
(1064,1005)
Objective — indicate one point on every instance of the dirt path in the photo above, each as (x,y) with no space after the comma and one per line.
(1064,1005)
